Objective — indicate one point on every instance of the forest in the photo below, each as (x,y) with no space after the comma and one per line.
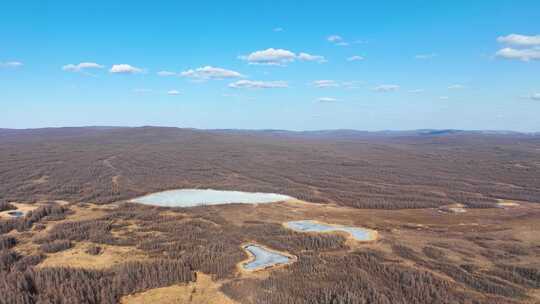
(356,169)
(79,181)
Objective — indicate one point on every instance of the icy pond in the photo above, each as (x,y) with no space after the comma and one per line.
(359,234)
(263,258)
(15,213)
(197,197)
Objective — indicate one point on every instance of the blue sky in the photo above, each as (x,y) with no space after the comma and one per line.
(299,65)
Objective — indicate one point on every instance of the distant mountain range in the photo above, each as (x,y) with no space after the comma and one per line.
(339,133)
(357,133)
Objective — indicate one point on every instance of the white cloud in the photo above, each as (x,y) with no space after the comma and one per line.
(334,38)
(531,50)
(173,92)
(81,66)
(522,40)
(11,64)
(444,97)
(425,56)
(270,56)
(416,91)
(355,58)
(166,73)
(253,84)
(209,72)
(386,88)
(456,87)
(535,96)
(279,57)
(340,41)
(278,29)
(124,69)
(520,54)
(308,57)
(325,84)
(326,99)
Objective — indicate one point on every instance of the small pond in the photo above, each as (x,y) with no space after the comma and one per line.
(263,258)
(359,234)
(15,213)
(197,197)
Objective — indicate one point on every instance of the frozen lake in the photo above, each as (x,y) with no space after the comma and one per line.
(15,213)
(264,258)
(197,197)
(359,234)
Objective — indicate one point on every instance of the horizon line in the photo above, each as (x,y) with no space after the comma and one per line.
(500,131)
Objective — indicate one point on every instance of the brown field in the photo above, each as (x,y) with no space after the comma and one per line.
(203,291)
(82,243)
(77,257)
